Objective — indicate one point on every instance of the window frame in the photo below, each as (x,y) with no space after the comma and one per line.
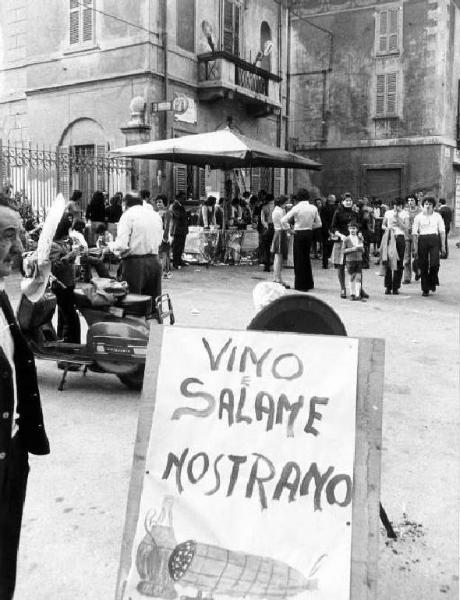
(236,40)
(193,50)
(79,9)
(386,91)
(389,32)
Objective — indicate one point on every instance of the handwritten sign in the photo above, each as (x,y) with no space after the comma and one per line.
(247,483)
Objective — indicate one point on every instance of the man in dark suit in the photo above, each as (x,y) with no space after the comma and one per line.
(21,420)
(178,229)
(446,214)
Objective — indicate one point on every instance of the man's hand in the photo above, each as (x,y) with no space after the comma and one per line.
(443,254)
(34,286)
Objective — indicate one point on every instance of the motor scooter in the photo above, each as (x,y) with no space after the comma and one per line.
(117,337)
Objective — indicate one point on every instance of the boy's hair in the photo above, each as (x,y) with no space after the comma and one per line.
(353,224)
(101,229)
(79,225)
(431,200)
(442,201)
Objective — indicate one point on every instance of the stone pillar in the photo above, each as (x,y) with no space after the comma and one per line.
(137,131)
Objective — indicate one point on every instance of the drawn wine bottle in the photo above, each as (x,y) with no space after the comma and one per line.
(153,553)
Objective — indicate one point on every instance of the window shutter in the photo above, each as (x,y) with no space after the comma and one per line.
(236,28)
(74,32)
(202,182)
(383,31)
(180,178)
(380,103)
(87,21)
(228,26)
(255,179)
(276,182)
(392,79)
(393,30)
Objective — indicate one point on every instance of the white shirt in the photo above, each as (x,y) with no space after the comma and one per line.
(7,345)
(146,204)
(305,216)
(277,214)
(78,239)
(140,232)
(428,224)
(391,215)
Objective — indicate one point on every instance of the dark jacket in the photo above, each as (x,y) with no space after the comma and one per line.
(96,211)
(326,214)
(30,423)
(179,221)
(342,218)
(63,262)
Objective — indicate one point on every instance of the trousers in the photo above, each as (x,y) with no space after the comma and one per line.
(303,276)
(13,485)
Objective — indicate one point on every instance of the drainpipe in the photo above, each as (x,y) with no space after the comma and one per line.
(165,42)
(288,86)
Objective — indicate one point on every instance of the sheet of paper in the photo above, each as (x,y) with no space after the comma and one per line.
(248,480)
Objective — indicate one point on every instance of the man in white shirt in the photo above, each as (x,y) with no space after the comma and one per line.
(139,235)
(306,218)
(397,221)
(429,236)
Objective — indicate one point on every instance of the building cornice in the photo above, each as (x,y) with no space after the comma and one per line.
(434,140)
(113,77)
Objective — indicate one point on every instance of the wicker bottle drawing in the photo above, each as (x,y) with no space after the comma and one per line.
(210,570)
(154,551)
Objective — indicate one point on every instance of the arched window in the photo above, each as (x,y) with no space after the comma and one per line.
(265,36)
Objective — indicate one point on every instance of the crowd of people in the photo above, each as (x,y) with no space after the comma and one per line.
(407,239)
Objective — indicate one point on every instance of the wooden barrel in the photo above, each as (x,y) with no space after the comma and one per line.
(217,570)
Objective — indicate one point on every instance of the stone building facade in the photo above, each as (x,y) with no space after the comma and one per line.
(69,70)
(374,95)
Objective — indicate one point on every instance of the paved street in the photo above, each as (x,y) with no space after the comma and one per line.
(77,496)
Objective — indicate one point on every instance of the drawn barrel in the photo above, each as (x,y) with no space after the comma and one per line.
(216,570)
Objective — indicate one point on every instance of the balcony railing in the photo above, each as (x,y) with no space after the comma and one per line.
(222,74)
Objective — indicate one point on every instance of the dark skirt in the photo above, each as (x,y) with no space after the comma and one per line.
(280,243)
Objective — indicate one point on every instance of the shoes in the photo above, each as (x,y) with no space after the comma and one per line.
(425,293)
(352,297)
(364,294)
(177,267)
(325,266)
(343,294)
(167,275)
(433,288)
(405,281)
(395,292)
(359,299)
(387,291)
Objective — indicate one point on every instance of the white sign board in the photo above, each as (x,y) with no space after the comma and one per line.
(248,476)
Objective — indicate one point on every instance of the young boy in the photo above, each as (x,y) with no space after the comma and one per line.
(353,251)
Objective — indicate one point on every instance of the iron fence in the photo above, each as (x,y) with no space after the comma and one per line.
(35,174)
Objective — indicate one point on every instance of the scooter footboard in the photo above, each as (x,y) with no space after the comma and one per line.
(118,347)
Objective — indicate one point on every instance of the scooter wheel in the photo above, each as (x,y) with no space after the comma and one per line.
(133,381)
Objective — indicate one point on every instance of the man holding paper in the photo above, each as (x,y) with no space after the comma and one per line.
(21,419)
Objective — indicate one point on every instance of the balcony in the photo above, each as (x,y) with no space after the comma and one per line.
(223,75)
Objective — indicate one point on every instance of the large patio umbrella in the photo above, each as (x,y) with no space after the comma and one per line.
(224,149)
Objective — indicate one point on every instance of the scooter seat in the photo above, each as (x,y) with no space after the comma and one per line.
(136,304)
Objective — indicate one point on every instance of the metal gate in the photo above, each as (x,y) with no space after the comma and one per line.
(36,174)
